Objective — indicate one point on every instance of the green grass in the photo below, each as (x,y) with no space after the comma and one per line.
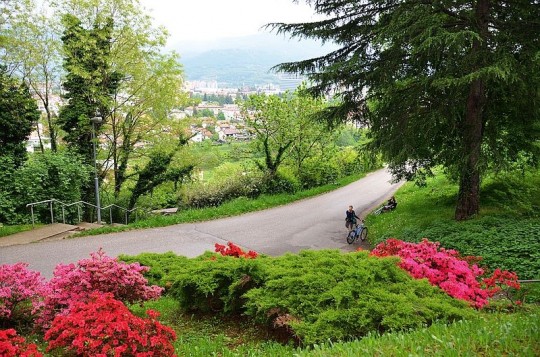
(498,334)
(232,208)
(506,196)
(8,230)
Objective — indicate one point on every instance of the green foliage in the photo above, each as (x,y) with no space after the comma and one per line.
(90,81)
(517,194)
(315,295)
(328,295)
(435,84)
(60,176)
(490,335)
(316,172)
(157,171)
(215,283)
(229,181)
(18,115)
(162,266)
(505,243)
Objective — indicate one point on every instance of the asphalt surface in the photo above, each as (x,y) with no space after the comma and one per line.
(314,223)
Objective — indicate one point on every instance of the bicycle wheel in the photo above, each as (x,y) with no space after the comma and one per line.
(351,237)
(363,234)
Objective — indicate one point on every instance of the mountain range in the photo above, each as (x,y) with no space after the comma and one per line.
(244,61)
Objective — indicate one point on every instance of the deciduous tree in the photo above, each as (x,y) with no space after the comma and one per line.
(284,129)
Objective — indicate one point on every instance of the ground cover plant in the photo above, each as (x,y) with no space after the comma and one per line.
(313,296)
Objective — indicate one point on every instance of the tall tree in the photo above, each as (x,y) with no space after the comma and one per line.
(150,86)
(452,83)
(35,54)
(18,115)
(89,85)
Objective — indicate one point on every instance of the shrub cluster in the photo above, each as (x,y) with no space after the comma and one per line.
(315,295)
(103,326)
(21,294)
(445,269)
(82,305)
(505,243)
(12,345)
(75,282)
(215,194)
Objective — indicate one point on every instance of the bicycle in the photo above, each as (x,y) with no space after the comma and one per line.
(359,231)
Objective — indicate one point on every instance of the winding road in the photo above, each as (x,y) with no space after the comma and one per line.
(314,223)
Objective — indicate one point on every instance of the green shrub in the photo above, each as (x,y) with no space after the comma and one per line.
(315,295)
(328,295)
(213,283)
(317,171)
(215,194)
(505,243)
(162,266)
(282,182)
(42,177)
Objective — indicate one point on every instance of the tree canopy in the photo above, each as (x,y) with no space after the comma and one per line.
(451,83)
(18,116)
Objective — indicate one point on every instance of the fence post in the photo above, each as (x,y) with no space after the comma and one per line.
(79,212)
(32,212)
(63,215)
(126,215)
(110,215)
(52,213)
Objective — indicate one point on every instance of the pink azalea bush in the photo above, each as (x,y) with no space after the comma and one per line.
(104,326)
(12,345)
(22,292)
(446,269)
(75,282)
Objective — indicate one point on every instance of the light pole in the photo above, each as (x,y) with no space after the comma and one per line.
(96,120)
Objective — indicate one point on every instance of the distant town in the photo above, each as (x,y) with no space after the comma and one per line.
(216,117)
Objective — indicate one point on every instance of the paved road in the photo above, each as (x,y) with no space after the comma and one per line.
(314,223)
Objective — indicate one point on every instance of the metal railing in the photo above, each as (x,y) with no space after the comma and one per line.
(80,205)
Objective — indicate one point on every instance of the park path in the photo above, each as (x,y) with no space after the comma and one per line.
(314,223)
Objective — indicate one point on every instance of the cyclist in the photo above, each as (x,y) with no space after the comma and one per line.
(350,219)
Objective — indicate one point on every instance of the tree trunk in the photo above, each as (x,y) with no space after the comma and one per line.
(468,203)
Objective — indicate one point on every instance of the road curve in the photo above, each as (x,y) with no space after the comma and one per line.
(314,223)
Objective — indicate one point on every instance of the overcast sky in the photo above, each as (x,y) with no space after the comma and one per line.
(201,20)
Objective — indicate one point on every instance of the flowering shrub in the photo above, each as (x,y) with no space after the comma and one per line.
(12,345)
(234,251)
(21,292)
(72,283)
(444,268)
(103,326)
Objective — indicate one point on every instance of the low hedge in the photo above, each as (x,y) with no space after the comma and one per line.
(315,295)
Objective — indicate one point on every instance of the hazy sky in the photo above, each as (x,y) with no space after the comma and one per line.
(201,20)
